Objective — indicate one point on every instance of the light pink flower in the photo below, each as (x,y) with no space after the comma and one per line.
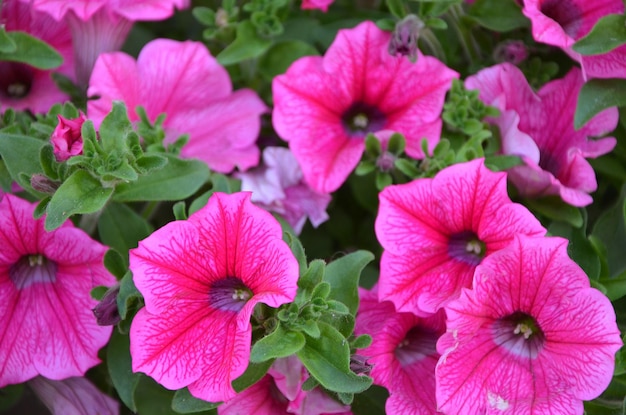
(22,86)
(325,106)
(184,81)
(562,22)
(201,279)
(100,26)
(278,186)
(403,353)
(316,4)
(540,128)
(66,139)
(530,337)
(73,396)
(46,324)
(436,231)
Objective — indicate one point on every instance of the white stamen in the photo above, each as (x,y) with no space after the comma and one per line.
(524,329)
(473,247)
(35,260)
(16,89)
(360,121)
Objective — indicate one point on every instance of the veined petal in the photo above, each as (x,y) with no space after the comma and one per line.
(73,396)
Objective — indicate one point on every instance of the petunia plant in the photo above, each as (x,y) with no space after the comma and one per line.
(312,207)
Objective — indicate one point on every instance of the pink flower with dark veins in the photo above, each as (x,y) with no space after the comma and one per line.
(435,232)
(530,337)
(562,22)
(66,139)
(24,87)
(201,279)
(325,106)
(278,186)
(183,80)
(316,4)
(47,327)
(540,129)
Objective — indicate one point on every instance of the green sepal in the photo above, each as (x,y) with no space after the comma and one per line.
(114,128)
(309,280)
(48,162)
(128,295)
(361,342)
(98,292)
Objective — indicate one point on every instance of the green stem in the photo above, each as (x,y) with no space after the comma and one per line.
(466,40)
(149,209)
(433,44)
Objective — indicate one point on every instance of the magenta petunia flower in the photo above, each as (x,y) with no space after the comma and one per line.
(66,139)
(562,22)
(530,337)
(184,81)
(22,86)
(100,26)
(201,279)
(278,186)
(540,128)
(403,353)
(73,396)
(325,106)
(316,4)
(47,327)
(436,231)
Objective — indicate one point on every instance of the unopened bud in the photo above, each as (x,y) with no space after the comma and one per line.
(66,139)
(359,365)
(44,184)
(106,311)
(404,38)
(512,51)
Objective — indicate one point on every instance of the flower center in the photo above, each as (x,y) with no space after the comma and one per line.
(361,118)
(416,345)
(31,269)
(520,334)
(549,163)
(466,247)
(15,80)
(229,294)
(566,13)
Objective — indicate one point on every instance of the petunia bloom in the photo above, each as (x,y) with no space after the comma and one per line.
(46,324)
(73,396)
(562,22)
(22,86)
(530,337)
(66,139)
(403,353)
(201,279)
(316,4)
(183,80)
(278,186)
(540,129)
(100,26)
(435,232)
(325,106)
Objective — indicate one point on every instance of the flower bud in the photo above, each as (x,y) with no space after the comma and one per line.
(66,138)
(44,184)
(513,51)
(106,311)
(404,38)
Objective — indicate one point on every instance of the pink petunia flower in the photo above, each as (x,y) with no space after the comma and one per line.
(325,106)
(66,139)
(46,324)
(201,279)
(278,186)
(184,81)
(73,396)
(540,128)
(530,337)
(403,353)
(316,4)
(562,22)
(22,86)
(100,26)
(436,231)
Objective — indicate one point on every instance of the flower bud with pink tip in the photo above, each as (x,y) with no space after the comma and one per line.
(66,139)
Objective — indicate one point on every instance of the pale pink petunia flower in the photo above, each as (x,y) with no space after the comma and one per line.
(66,139)
(47,327)
(403,353)
(316,4)
(325,106)
(183,80)
(201,279)
(73,396)
(530,337)
(435,232)
(23,87)
(100,26)
(540,129)
(278,186)
(562,22)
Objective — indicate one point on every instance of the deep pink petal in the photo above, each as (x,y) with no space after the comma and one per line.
(148,9)
(257,399)
(73,396)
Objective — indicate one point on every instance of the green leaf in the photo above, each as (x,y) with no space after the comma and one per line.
(247,45)
(610,230)
(154,399)
(597,95)
(254,372)
(98,292)
(184,403)
(279,343)
(10,395)
(309,280)
(281,55)
(615,287)
(128,294)
(80,193)
(370,403)
(7,45)
(21,155)
(555,209)
(396,7)
(152,162)
(120,369)
(343,276)
(115,263)
(178,180)
(498,15)
(115,128)
(327,358)
(608,33)
(31,51)
(502,162)
(120,227)
(298,251)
